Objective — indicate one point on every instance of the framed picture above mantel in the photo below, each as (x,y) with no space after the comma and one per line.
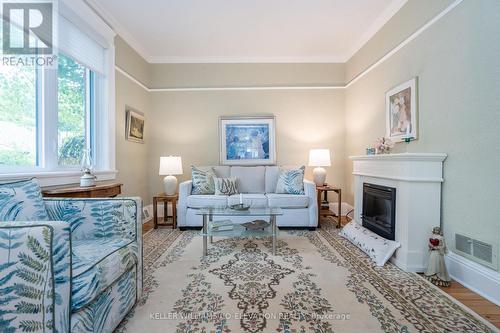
(247,140)
(402,112)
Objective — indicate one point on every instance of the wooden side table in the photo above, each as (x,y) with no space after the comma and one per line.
(165,199)
(323,190)
(100,190)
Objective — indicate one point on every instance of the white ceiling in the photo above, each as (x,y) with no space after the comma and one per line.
(208,31)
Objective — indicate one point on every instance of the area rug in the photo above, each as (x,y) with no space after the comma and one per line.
(317,282)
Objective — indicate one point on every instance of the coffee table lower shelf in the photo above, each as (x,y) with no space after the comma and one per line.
(238,230)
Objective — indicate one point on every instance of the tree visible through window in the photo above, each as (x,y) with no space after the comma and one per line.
(74,108)
(18,116)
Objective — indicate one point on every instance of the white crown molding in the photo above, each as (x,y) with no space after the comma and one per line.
(118,28)
(243,60)
(143,52)
(381,20)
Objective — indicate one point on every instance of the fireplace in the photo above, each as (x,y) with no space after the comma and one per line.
(379,209)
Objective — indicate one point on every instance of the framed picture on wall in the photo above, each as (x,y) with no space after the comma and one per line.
(401,111)
(247,140)
(134,126)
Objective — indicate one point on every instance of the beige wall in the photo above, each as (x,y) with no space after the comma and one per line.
(244,75)
(186,124)
(131,157)
(413,15)
(131,62)
(456,62)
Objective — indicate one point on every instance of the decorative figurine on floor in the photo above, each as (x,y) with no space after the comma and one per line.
(436,268)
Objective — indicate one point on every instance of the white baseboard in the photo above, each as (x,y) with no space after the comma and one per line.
(476,277)
(345,207)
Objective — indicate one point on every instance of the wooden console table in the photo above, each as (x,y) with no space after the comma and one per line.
(100,190)
(323,190)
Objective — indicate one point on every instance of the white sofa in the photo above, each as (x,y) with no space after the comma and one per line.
(258,185)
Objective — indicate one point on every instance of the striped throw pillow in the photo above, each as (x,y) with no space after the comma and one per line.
(203,181)
(225,186)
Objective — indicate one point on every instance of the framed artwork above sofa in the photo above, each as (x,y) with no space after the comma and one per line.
(247,140)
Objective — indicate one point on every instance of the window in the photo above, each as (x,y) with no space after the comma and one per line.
(21,119)
(50,116)
(75,111)
(18,117)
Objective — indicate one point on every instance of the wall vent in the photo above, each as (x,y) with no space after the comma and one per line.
(481,252)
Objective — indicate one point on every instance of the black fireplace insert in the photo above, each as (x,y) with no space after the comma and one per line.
(379,210)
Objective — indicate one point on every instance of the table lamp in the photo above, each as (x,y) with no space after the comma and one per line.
(319,158)
(169,167)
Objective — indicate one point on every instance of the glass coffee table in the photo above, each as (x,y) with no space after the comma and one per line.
(226,227)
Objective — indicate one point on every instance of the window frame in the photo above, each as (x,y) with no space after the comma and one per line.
(102,123)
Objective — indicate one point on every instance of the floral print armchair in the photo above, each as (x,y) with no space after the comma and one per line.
(67,265)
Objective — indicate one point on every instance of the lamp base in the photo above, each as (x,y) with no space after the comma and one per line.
(319,176)
(170,185)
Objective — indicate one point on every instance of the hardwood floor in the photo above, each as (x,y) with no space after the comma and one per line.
(147,226)
(477,303)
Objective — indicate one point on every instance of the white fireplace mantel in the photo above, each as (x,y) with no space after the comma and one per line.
(417,178)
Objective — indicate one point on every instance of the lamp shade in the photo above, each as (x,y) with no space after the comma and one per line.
(170,165)
(319,157)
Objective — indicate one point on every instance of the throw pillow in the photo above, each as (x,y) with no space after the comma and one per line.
(22,201)
(377,248)
(203,181)
(225,186)
(291,181)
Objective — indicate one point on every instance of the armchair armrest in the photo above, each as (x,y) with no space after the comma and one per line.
(35,263)
(102,217)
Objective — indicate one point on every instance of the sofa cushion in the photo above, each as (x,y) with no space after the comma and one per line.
(22,201)
(249,179)
(203,181)
(96,264)
(222,171)
(252,199)
(291,181)
(271,178)
(200,201)
(287,200)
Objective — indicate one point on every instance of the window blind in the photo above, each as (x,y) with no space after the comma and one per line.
(80,46)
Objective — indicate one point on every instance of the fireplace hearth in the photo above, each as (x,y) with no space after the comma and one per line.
(379,210)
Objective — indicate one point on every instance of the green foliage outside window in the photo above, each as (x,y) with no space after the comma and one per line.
(71,98)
